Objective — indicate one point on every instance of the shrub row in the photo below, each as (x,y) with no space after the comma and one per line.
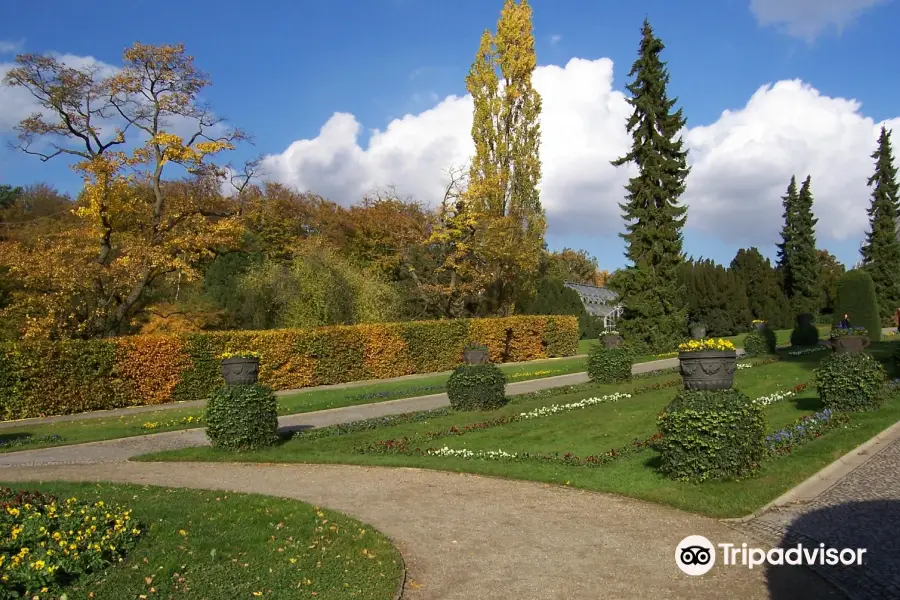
(609,365)
(39,378)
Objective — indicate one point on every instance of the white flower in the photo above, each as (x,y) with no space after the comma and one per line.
(546,411)
(744,366)
(772,398)
(803,351)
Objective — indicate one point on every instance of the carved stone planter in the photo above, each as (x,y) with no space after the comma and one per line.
(612,341)
(708,370)
(850,344)
(476,356)
(760,326)
(240,371)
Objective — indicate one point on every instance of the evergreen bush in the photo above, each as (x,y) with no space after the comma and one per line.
(477,387)
(851,382)
(856,298)
(711,435)
(242,417)
(609,365)
(805,332)
(758,343)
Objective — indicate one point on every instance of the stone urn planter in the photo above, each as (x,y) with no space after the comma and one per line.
(760,326)
(611,340)
(476,355)
(850,344)
(708,369)
(240,370)
(698,332)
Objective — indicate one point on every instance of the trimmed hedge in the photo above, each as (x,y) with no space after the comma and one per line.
(711,435)
(242,417)
(477,387)
(805,332)
(856,298)
(851,382)
(40,378)
(609,365)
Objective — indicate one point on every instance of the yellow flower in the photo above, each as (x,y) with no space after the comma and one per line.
(182,532)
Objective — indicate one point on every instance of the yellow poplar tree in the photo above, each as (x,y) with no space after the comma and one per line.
(498,228)
(133,227)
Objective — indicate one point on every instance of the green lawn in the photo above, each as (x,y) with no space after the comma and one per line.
(594,430)
(205,544)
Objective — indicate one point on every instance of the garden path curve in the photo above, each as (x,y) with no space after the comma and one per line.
(465,536)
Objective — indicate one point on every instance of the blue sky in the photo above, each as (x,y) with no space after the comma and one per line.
(280,70)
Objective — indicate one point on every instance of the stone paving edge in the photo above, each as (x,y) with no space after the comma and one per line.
(830,475)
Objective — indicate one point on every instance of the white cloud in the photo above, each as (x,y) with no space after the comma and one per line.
(555,38)
(807,19)
(741,163)
(10,46)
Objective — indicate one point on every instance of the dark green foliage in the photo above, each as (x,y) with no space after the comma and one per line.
(477,387)
(895,356)
(711,435)
(652,293)
(830,273)
(765,296)
(9,195)
(881,251)
(715,297)
(856,298)
(204,376)
(221,287)
(805,332)
(851,382)
(242,417)
(609,365)
(759,343)
(798,259)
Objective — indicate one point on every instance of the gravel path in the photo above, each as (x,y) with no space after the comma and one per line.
(862,510)
(465,536)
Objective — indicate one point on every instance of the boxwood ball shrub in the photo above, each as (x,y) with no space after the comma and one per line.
(851,382)
(760,343)
(242,417)
(856,298)
(805,332)
(477,387)
(706,434)
(609,365)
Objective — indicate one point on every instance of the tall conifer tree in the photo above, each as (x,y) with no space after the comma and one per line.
(805,287)
(786,247)
(653,294)
(881,251)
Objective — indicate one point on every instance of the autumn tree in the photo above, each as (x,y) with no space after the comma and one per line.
(500,211)
(655,317)
(576,266)
(134,229)
(881,250)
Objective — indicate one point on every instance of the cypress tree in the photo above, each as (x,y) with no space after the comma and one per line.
(655,316)
(805,290)
(881,251)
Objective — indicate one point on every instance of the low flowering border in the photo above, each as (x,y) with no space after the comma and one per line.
(543,373)
(17,442)
(804,430)
(741,366)
(803,351)
(401,393)
(152,425)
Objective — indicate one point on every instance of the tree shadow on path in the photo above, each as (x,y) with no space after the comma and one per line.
(872,525)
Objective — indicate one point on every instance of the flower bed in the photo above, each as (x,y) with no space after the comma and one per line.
(744,366)
(46,543)
(543,373)
(151,425)
(707,345)
(803,430)
(28,440)
(803,351)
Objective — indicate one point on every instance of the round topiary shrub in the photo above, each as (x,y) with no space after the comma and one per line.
(851,382)
(609,365)
(476,387)
(756,344)
(805,332)
(856,298)
(711,435)
(242,417)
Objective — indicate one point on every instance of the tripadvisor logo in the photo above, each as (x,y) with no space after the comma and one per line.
(696,555)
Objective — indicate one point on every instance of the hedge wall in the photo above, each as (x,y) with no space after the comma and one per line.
(39,378)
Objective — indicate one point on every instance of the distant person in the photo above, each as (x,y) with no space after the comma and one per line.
(845,322)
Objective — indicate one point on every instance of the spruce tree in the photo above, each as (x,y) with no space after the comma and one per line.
(786,247)
(881,251)
(805,287)
(655,316)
